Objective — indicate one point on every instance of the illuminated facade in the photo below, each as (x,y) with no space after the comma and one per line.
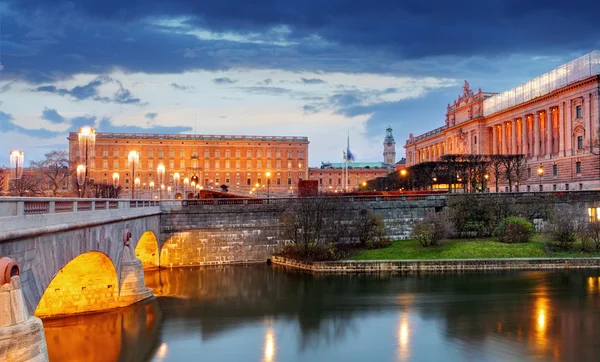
(240,162)
(552,119)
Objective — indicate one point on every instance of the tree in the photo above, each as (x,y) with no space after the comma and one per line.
(54,169)
(496,166)
(513,169)
(102,191)
(27,185)
(3,180)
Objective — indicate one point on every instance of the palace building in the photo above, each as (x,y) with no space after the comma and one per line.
(239,162)
(553,120)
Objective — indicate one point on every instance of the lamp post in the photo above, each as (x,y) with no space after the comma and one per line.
(81,179)
(115,179)
(169,191)
(17,160)
(176,178)
(540,172)
(268,185)
(160,173)
(151,185)
(486,177)
(133,158)
(87,142)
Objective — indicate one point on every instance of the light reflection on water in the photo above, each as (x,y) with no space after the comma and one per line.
(260,313)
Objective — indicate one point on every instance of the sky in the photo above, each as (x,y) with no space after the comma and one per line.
(322,69)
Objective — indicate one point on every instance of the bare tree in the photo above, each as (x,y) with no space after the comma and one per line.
(513,169)
(3,180)
(496,166)
(54,169)
(27,185)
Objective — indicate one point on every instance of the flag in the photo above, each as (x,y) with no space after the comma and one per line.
(348,155)
(344,154)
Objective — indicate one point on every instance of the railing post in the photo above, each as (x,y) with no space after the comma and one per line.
(20,208)
(93,205)
(52,207)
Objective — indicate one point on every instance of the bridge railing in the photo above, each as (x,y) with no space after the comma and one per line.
(20,206)
(289,200)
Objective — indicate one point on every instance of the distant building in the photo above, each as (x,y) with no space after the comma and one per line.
(331,175)
(240,162)
(553,120)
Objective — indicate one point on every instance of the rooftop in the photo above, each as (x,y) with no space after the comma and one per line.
(354,165)
(195,137)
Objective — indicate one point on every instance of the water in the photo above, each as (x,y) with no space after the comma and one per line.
(263,313)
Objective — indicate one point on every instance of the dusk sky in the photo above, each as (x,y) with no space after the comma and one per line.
(320,69)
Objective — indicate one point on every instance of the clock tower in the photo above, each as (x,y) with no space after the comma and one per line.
(389,148)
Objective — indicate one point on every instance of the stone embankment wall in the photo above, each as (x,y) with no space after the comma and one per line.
(216,234)
(350,266)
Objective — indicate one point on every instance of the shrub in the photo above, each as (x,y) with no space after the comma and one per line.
(564,228)
(433,228)
(514,229)
(369,228)
(590,236)
(471,216)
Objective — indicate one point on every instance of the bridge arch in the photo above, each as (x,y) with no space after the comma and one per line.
(147,250)
(87,283)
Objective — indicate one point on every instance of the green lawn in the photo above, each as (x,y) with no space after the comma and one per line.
(465,249)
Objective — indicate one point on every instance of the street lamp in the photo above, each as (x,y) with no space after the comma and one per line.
(176,178)
(169,191)
(160,173)
(151,185)
(87,143)
(402,172)
(17,160)
(268,185)
(81,179)
(115,178)
(133,158)
(540,172)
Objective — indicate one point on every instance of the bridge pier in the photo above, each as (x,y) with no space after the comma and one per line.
(21,335)
(133,287)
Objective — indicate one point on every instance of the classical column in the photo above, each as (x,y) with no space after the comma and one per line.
(524,134)
(513,137)
(569,130)
(549,125)
(560,137)
(494,140)
(536,134)
(503,138)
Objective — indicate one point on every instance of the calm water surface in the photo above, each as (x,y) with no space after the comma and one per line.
(263,313)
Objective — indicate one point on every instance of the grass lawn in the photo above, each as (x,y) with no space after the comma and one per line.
(466,249)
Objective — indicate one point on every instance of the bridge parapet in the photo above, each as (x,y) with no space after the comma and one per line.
(26,217)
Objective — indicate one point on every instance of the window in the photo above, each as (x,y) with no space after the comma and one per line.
(182,153)
(289,164)
(227,164)
(580,142)
(160,153)
(268,153)
(529,188)
(194,164)
(578,112)
(171,153)
(248,164)
(300,155)
(105,153)
(299,164)
(227,153)
(217,164)
(289,154)
(115,164)
(249,154)
(258,164)
(553,187)
(269,164)
(528,172)
(541,187)
(567,187)
(581,186)
(115,153)
(330,181)
(182,164)
(105,164)
(339,181)
(195,153)
(150,164)
(206,153)
(259,153)
(320,182)
(237,164)
(555,170)
(289,180)
(248,181)
(278,164)
(217,153)
(206,165)
(151,153)
(278,154)
(594,214)
(578,167)
(171,164)
(237,153)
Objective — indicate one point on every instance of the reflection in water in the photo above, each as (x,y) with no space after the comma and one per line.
(403,335)
(269,314)
(269,353)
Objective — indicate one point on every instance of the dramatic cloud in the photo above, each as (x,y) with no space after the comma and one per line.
(52,115)
(182,87)
(224,80)
(106,125)
(7,124)
(151,115)
(90,91)
(312,81)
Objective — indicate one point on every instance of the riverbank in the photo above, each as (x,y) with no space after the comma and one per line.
(484,248)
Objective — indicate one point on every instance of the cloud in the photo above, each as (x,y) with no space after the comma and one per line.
(182,87)
(7,124)
(90,91)
(52,115)
(150,115)
(224,80)
(81,121)
(6,87)
(312,81)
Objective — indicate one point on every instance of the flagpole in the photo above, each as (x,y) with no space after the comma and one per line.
(347,156)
